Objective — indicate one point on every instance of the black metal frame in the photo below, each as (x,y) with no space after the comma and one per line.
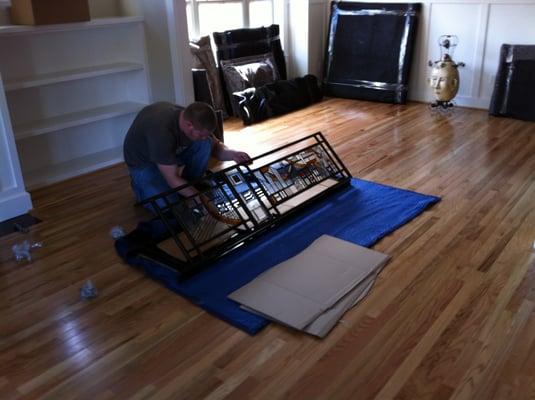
(241,202)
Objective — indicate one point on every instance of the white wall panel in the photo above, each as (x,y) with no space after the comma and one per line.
(451,19)
(507,23)
(4,11)
(299,28)
(154,13)
(316,34)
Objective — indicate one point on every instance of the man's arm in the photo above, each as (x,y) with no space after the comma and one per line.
(171,173)
(223,153)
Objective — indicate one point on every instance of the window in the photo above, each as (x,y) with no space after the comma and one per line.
(207,16)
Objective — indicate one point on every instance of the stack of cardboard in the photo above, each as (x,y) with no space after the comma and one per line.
(311,291)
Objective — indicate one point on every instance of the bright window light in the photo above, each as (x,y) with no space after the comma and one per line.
(208,16)
(218,17)
(260,13)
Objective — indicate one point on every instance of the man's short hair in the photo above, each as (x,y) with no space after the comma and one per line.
(201,115)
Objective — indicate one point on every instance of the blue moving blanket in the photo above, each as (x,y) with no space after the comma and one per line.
(362,213)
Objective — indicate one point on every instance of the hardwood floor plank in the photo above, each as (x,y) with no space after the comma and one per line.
(452,316)
(478,378)
(422,348)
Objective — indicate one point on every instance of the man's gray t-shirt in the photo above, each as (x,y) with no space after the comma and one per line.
(155,136)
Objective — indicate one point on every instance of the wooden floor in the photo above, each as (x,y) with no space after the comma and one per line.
(452,315)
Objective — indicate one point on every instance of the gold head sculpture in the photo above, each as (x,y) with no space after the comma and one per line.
(444,79)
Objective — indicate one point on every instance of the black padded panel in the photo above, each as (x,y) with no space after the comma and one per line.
(277,98)
(514,88)
(245,42)
(249,42)
(369,50)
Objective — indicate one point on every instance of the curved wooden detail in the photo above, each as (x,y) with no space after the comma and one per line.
(216,214)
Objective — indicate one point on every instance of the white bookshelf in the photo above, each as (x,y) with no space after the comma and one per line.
(69,75)
(71,120)
(98,23)
(72,91)
(14,199)
(77,166)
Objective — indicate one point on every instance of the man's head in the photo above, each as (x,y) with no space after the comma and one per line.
(198,121)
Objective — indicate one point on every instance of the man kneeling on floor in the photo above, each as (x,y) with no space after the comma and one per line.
(168,146)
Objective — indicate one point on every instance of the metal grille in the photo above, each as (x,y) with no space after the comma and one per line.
(238,203)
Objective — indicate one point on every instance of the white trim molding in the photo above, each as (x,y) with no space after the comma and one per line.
(14,204)
(14,200)
(181,58)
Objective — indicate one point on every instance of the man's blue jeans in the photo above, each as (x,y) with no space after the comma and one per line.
(148,181)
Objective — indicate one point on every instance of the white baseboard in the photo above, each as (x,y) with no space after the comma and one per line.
(472,102)
(461,101)
(14,204)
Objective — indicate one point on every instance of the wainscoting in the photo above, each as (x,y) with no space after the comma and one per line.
(482,27)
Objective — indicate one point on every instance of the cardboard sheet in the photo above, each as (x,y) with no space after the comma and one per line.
(313,289)
(322,325)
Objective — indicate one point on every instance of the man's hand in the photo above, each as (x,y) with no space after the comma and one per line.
(172,175)
(223,153)
(240,157)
